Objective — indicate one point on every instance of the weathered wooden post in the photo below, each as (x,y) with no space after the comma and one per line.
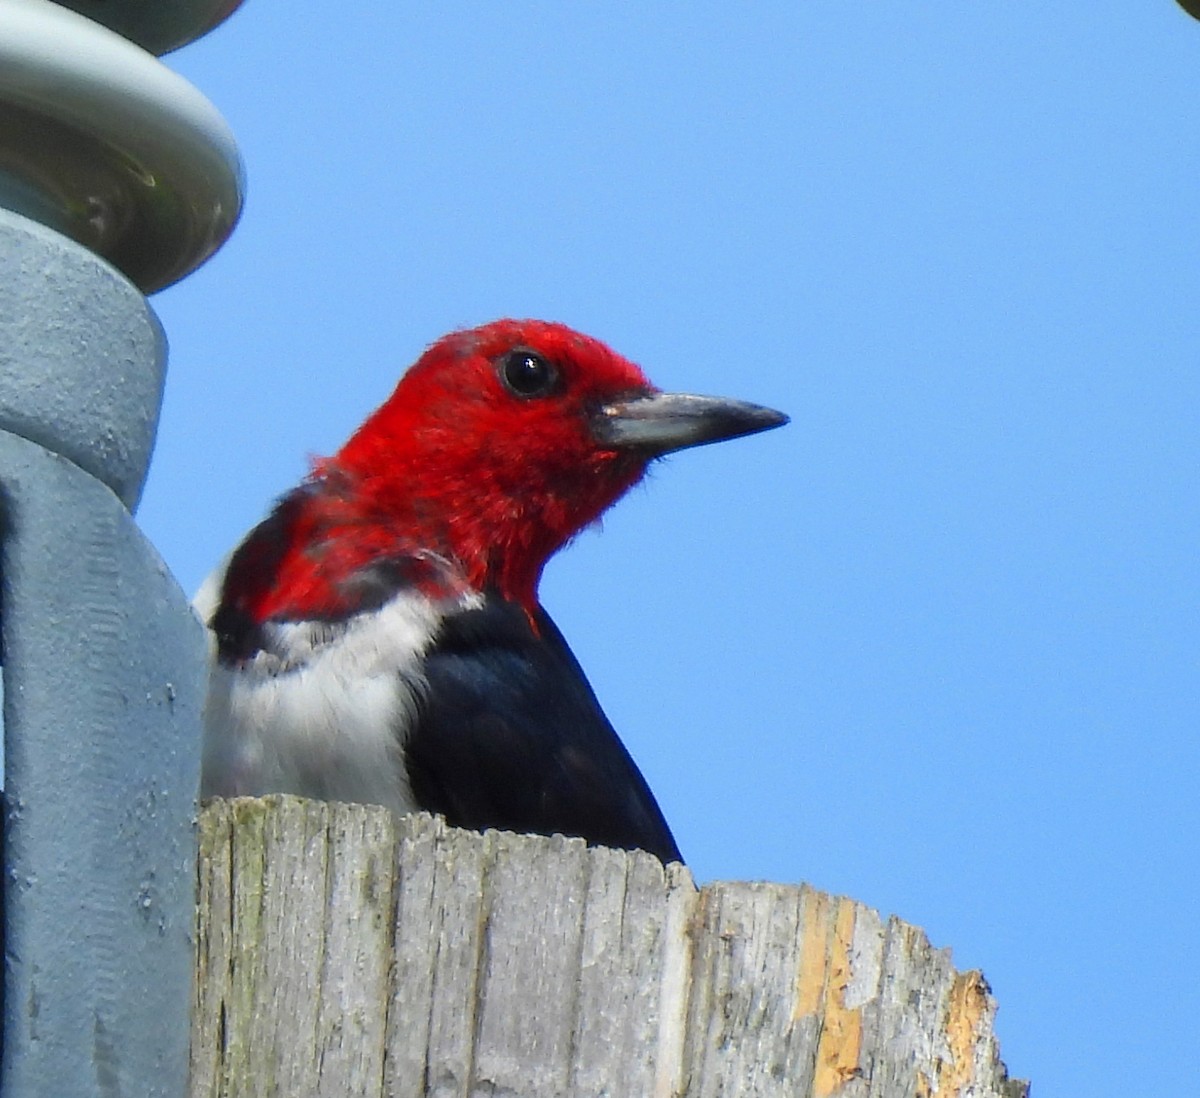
(116,178)
(342,951)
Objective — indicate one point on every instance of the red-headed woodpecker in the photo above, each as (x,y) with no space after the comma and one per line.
(378,637)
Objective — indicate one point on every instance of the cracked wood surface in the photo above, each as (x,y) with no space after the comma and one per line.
(342,951)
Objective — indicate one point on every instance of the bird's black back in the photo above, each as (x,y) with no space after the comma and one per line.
(510,736)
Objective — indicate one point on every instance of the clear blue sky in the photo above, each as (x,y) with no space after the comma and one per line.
(935,645)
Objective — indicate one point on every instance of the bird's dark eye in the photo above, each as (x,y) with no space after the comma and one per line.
(526,374)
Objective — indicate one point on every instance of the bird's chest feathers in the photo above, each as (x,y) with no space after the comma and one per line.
(325,709)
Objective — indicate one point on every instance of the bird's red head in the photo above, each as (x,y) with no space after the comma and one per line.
(498,446)
(485,450)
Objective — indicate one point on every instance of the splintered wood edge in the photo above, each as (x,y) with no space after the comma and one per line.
(342,947)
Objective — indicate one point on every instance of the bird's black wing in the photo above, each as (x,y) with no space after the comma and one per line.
(510,735)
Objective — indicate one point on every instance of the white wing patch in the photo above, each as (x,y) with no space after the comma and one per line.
(325,710)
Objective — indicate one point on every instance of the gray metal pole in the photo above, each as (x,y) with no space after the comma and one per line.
(104,684)
(116,178)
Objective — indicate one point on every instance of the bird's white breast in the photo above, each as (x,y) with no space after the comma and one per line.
(324,710)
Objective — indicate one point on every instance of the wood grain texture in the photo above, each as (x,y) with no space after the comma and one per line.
(342,951)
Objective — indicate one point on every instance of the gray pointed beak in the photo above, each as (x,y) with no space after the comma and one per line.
(661,422)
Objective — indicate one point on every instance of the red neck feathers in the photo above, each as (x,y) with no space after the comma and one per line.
(479,467)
